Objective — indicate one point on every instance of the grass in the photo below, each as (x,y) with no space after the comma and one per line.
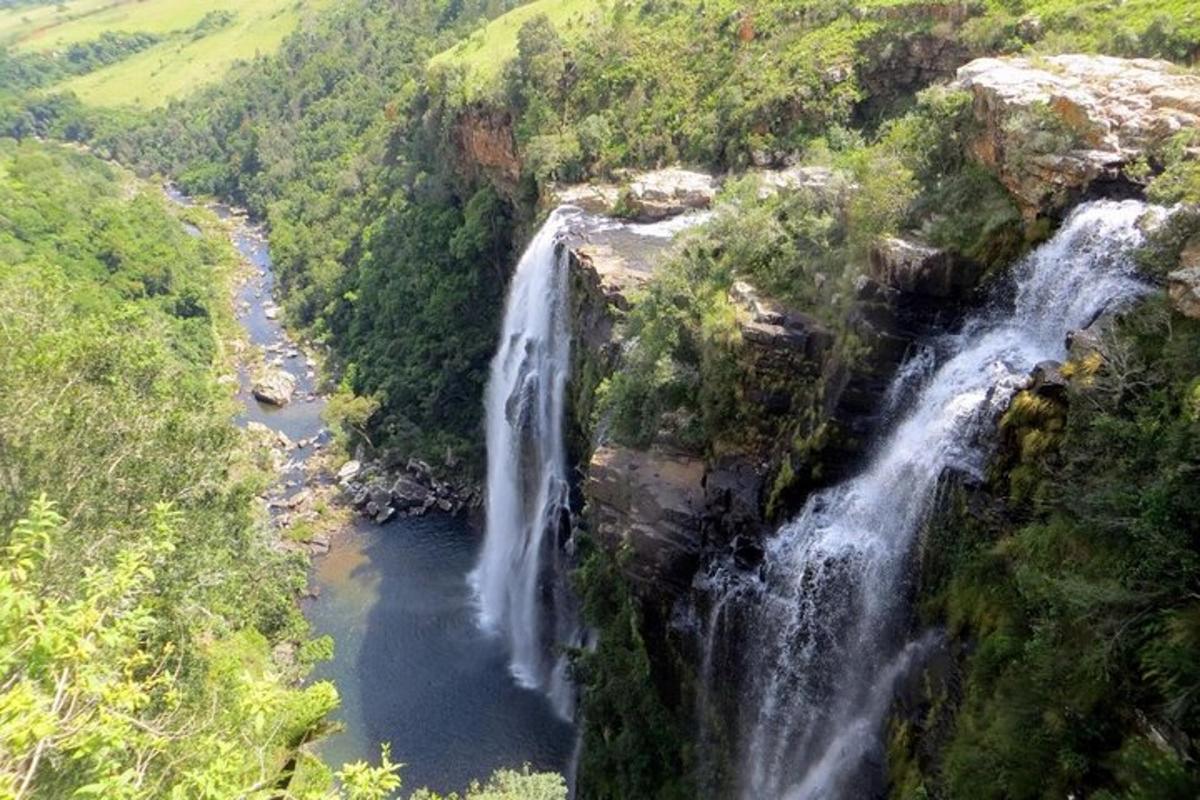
(170,69)
(484,53)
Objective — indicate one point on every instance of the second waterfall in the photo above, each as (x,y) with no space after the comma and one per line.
(520,581)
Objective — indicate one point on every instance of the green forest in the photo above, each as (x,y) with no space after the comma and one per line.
(400,155)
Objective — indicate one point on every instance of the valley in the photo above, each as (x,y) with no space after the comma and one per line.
(687,400)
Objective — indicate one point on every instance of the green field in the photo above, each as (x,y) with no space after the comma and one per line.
(169,69)
(484,52)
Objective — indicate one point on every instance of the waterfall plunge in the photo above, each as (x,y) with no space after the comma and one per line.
(824,622)
(520,580)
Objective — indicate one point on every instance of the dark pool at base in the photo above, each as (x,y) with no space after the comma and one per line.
(414,669)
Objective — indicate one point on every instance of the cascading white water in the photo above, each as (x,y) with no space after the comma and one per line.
(520,582)
(826,617)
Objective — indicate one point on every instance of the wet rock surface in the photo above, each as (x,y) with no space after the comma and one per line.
(385,489)
(651,502)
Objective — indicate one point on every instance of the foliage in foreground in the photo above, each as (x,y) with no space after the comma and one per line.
(142,607)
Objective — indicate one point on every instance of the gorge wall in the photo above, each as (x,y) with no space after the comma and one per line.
(671,516)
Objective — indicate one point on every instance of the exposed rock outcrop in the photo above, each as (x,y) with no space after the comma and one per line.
(781,350)
(274,386)
(790,179)
(1183,287)
(1053,127)
(652,502)
(1183,284)
(663,193)
(385,489)
(484,138)
(645,196)
(911,267)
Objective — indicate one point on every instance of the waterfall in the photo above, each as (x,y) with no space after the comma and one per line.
(520,581)
(825,620)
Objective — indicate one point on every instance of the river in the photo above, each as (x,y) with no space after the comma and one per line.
(410,663)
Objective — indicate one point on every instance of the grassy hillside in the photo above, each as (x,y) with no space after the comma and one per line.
(482,55)
(200,40)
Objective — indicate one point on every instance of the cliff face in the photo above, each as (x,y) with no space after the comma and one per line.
(1053,128)
(487,148)
(665,512)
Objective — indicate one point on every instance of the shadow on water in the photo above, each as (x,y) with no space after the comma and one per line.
(413,667)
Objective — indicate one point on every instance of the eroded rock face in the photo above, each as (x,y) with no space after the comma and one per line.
(1106,113)
(651,501)
(911,267)
(485,140)
(274,386)
(783,351)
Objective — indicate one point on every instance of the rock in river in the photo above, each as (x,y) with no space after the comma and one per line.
(275,387)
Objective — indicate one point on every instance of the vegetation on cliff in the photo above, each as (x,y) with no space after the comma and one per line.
(398,151)
(1073,576)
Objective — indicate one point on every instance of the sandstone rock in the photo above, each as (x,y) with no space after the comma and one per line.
(653,502)
(646,196)
(733,490)
(595,198)
(911,267)
(299,499)
(816,179)
(484,138)
(381,495)
(1090,340)
(275,387)
(260,431)
(349,471)
(768,324)
(1183,287)
(612,274)
(1115,110)
(653,196)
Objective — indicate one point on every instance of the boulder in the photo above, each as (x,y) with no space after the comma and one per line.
(349,471)
(1183,287)
(406,493)
(1103,113)
(1047,380)
(663,193)
(274,387)
(646,196)
(911,267)
(652,502)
